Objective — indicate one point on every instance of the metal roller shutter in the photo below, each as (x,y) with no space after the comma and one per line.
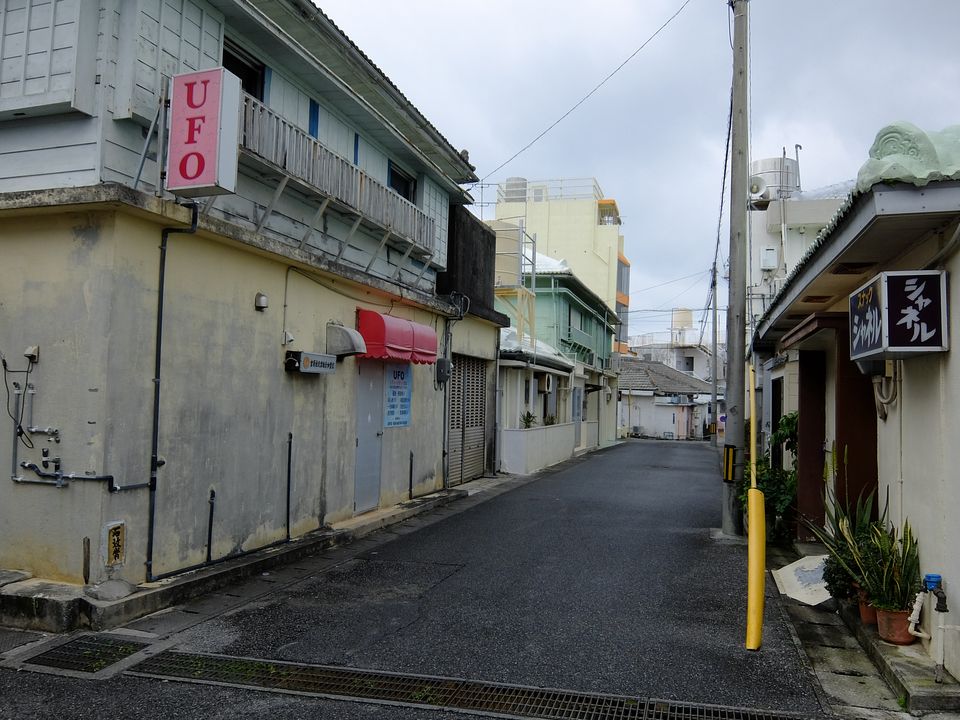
(467,419)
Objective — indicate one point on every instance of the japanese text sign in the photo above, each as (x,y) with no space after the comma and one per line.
(898,314)
(204,133)
(398,393)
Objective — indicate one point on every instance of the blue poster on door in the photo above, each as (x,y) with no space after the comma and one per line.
(398,389)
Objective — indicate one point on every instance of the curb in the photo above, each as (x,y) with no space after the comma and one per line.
(909,674)
(60,608)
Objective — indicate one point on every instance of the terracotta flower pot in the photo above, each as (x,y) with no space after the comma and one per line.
(868,613)
(893,627)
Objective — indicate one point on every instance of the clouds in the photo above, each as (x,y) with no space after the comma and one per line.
(825,74)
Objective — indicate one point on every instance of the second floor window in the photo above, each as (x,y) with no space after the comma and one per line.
(403,182)
(245,66)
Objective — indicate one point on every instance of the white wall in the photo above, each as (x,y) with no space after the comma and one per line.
(528,451)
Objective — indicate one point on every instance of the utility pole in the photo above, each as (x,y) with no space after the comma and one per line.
(736,306)
(713,369)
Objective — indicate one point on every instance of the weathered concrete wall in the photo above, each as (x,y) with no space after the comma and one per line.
(918,454)
(84,288)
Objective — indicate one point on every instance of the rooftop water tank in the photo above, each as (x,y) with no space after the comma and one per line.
(772,179)
(515,190)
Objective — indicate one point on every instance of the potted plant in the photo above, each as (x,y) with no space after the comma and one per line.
(528,420)
(841,573)
(888,564)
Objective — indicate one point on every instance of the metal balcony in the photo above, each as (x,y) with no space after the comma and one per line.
(282,146)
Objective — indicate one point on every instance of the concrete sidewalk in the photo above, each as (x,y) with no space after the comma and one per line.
(862,676)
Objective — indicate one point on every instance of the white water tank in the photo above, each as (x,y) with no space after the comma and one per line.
(773,178)
(515,190)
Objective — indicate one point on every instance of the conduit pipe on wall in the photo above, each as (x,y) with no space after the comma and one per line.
(155,461)
(945,251)
(462,303)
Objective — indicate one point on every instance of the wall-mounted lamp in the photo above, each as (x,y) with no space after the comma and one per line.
(260,302)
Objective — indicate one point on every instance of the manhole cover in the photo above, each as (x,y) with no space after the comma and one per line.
(449,693)
(88,653)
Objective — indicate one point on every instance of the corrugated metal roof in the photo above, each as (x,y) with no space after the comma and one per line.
(419,128)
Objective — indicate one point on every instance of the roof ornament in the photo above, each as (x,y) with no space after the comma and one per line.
(902,152)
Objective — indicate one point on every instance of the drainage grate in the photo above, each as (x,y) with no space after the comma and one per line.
(506,700)
(88,654)
(10,639)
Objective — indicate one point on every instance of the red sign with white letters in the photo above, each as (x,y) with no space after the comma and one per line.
(202,153)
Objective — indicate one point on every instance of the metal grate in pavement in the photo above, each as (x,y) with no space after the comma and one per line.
(88,653)
(10,639)
(448,693)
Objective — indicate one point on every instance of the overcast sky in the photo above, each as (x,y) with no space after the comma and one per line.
(826,74)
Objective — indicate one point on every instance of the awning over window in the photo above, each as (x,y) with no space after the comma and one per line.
(393,338)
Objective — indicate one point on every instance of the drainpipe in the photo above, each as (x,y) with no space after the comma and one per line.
(497,409)
(155,461)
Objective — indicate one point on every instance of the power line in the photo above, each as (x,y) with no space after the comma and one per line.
(669,282)
(723,193)
(585,97)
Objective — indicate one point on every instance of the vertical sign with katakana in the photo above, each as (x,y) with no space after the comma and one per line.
(898,314)
(916,311)
(866,320)
(398,390)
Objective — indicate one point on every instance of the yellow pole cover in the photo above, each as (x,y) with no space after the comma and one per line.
(756,536)
(756,567)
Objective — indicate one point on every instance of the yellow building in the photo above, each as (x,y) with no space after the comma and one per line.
(571,220)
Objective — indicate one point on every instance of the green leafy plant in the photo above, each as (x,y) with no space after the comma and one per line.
(841,570)
(887,565)
(550,420)
(778,485)
(528,420)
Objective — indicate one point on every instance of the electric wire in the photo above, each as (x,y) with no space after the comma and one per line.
(22,434)
(723,195)
(669,282)
(584,98)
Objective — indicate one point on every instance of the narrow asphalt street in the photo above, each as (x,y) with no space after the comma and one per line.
(600,576)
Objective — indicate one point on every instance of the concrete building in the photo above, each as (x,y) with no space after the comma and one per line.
(657,401)
(687,349)
(864,322)
(175,407)
(572,220)
(557,368)
(784,221)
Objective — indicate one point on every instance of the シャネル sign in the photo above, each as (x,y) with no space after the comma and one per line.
(898,314)
(204,133)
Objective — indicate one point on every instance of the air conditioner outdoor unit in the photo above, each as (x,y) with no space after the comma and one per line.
(545,383)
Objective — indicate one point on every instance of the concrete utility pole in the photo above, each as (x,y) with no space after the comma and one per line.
(715,365)
(736,307)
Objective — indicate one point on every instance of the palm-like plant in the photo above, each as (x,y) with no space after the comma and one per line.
(889,566)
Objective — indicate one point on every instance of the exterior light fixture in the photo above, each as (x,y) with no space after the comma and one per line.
(260,302)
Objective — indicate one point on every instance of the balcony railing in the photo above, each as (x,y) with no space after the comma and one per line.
(276,140)
(578,336)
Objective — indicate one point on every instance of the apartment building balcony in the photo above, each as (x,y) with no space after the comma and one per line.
(275,145)
(579,337)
